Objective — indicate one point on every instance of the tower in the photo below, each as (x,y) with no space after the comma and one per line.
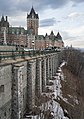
(4,26)
(4,23)
(33,21)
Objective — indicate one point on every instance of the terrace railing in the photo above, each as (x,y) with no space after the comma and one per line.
(22,54)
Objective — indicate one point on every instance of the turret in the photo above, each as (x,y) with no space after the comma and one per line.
(32,14)
(59,36)
(2,19)
(51,34)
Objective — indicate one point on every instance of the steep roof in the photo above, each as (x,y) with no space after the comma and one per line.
(46,35)
(2,19)
(52,33)
(16,30)
(59,36)
(32,13)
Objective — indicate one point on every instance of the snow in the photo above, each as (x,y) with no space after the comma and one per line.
(32,117)
(63,64)
(58,74)
(66,111)
(53,106)
(76,100)
(70,96)
(64,99)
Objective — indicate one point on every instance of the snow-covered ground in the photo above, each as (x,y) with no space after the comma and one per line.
(55,107)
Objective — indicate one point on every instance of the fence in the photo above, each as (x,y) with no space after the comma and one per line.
(22,54)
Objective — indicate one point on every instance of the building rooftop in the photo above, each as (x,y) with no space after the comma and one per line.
(32,14)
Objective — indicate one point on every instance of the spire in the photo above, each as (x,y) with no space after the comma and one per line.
(27,15)
(46,34)
(32,6)
(6,18)
(58,34)
(32,10)
(32,14)
(2,19)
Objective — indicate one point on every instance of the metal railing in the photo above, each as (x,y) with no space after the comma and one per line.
(22,54)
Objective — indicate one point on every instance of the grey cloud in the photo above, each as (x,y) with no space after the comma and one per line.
(67,36)
(73,38)
(47,22)
(39,5)
(11,7)
(74,15)
(77,1)
(18,24)
(7,7)
(25,5)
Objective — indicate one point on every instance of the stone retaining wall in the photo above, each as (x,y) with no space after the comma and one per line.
(29,81)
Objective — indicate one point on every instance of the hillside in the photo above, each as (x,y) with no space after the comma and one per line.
(73,83)
(70,90)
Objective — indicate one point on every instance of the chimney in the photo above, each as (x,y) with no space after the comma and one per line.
(6,18)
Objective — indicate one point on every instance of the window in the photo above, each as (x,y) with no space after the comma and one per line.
(23,96)
(13,31)
(1,88)
(4,113)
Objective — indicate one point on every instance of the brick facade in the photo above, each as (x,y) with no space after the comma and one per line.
(29,38)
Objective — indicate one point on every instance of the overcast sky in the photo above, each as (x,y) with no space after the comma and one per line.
(65,16)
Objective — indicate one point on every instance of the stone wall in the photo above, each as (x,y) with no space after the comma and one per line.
(30,81)
(47,70)
(7,48)
(38,83)
(17,92)
(31,76)
(44,74)
(5,91)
